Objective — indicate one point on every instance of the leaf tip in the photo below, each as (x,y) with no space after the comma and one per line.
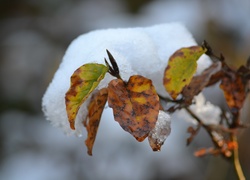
(109,54)
(90,152)
(72,125)
(174,94)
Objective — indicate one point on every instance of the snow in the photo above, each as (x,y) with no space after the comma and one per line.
(209,113)
(162,129)
(143,51)
(205,110)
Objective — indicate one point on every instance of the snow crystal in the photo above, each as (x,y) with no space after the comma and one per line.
(162,129)
(143,51)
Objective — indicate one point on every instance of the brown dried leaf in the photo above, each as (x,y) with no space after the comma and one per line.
(244,72)
(234,90)
(135,105)
(95,108)
(199,82)
(215,78)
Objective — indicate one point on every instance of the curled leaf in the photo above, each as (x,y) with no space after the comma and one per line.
(83,81)
(135,105)
(234,91)
(181,68)
(198,83)
(95,108)
(215,78)
(160,132)
(234,85)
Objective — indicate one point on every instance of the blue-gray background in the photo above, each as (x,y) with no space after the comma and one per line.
(33,38)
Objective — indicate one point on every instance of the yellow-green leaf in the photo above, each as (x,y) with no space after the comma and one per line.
(83,81)
(135,105)
(181,68)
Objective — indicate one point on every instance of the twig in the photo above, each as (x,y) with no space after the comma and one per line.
(237,161)
(206,127)
(166,99)
(211,54)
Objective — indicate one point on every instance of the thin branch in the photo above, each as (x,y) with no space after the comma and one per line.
(237,161)
(224,116)
(167,99)
(206,127)
(194,116)
(193,133)
(211,54)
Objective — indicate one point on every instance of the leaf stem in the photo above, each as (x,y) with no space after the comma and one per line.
(237,161)
(167,99)
(210,52)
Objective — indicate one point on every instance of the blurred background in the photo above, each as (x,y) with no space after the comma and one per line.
(33,38)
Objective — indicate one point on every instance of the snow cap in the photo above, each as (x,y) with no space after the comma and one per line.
(143,51)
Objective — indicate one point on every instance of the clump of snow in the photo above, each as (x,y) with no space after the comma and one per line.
(161,131)
(143,51)
(209,113)
(205,110)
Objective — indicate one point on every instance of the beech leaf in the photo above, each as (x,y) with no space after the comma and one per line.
(135,105)
(83,81)
(181,68)
(234,91)
(95,108)
(198,83)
